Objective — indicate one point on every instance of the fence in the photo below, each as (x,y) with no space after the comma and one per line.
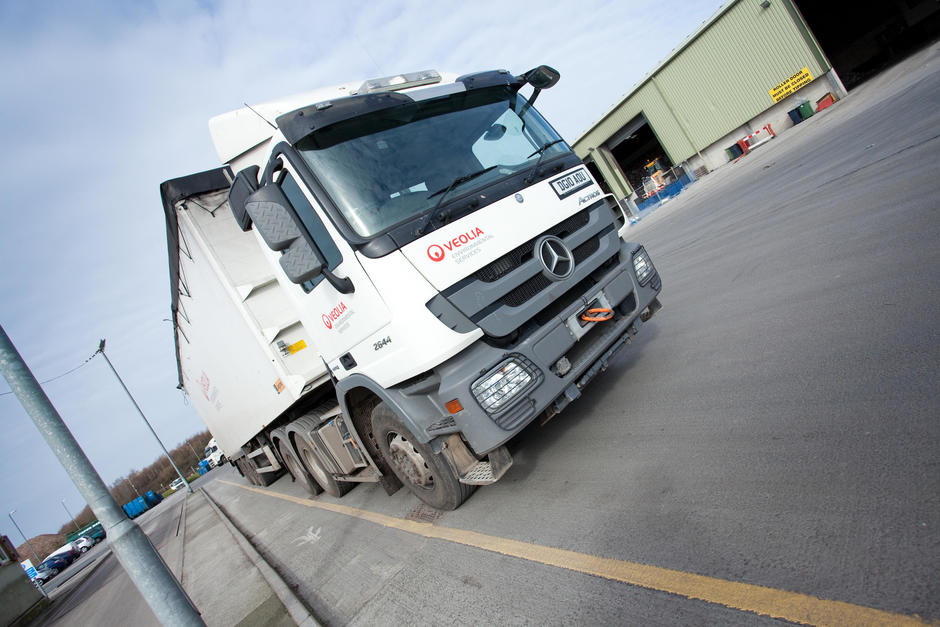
(679,181)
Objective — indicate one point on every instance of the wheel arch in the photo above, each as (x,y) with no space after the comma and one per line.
(358,392)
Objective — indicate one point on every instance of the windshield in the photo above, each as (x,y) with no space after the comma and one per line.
(389,166)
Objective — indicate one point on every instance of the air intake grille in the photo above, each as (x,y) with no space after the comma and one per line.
(520,254)
(539,282)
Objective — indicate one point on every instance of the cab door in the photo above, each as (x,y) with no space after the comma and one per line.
(337,319)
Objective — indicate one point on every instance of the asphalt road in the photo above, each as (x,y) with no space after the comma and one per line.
(102,594)
(776,424)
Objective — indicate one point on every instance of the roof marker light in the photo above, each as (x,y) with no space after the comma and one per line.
(400,81)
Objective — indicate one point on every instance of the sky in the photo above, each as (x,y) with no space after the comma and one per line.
(102,101)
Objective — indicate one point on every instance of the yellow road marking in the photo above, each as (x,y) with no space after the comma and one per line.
(790,606)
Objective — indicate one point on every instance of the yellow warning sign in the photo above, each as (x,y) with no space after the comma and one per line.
(797,81)
(296,347)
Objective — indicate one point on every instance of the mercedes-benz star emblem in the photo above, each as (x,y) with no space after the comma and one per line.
(556,259)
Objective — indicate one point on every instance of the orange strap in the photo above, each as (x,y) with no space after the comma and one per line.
(591,315)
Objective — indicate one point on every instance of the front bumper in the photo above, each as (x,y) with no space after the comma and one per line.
(562,355)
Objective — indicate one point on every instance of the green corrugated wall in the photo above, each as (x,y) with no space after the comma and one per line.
(718,80)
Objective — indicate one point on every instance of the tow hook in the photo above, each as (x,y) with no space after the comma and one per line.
(597,314)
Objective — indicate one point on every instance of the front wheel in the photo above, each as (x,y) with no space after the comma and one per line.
(425,472)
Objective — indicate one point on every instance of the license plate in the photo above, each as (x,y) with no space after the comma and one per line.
(570,183)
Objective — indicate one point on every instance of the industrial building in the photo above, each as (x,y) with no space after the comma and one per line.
(752,64)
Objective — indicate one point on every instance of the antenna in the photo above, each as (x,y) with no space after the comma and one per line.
(260,116)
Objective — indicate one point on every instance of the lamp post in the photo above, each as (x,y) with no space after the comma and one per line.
(31,549)
(195,454)
(139,411)
(129,544)
(70,515)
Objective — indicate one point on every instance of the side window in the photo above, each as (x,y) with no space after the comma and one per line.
(314,226)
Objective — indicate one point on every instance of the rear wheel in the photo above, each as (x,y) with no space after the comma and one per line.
(312,463)
(425,472)
(249,472)
(296,468)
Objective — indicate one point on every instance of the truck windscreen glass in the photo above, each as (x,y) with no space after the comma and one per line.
(389,166)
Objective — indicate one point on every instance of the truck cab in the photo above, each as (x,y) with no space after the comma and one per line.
(447,256)
(213,454)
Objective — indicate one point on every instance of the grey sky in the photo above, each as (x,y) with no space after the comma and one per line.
(102,101)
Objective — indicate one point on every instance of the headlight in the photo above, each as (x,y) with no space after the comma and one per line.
(496,389)
(643,266)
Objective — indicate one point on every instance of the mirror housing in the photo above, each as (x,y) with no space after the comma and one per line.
(271,212)
(245,183)
(268,209)
(300,262)
(276,221)
(542,77)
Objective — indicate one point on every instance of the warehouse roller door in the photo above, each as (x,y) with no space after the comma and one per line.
(861,39)
(640,155)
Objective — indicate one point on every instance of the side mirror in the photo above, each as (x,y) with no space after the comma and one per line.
(270,211)
(245,183)
(542,77)
(300,262)
(276,220)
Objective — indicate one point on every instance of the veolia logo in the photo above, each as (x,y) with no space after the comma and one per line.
(436,253)
(333,315)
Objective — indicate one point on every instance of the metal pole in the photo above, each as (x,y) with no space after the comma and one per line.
(196,455)
(70,516)
(139,411)
(31,549)
(133,487)
(128,542)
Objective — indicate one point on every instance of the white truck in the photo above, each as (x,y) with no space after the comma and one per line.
(387,281)
(213,454)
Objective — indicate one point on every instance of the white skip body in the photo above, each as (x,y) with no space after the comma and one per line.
(386,282)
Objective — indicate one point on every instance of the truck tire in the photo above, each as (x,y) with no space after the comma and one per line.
(249,472)
(296,468)
(424,472)
(310,461)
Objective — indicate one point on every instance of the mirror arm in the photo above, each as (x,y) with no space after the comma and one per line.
(535,94)
(528,103)
(343,286)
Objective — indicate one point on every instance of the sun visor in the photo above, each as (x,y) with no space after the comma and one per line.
(298,124)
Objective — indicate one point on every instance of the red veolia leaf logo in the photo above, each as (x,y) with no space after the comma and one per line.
(435,252)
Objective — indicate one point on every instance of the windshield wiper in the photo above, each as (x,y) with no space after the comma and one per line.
(445,190)
(541,153)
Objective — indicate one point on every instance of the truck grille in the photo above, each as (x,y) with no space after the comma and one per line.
(536,284)
(506,293)
(522,253)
